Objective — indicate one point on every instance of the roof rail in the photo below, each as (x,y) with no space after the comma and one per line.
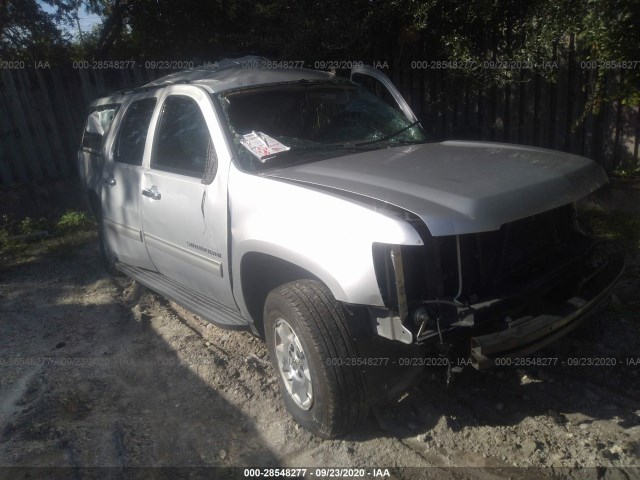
(149,87)
(204,71)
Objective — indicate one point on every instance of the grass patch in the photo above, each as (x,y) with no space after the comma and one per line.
(627,172)
(617,226)
(26,239)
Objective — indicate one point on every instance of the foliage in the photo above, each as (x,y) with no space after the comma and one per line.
(29,33)
(535,32)
(32,225)
(69,230)
(627,172)
(613,225)
(519,32)
(73,221)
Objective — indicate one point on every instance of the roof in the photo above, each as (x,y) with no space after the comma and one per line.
(227,74)
(240,72)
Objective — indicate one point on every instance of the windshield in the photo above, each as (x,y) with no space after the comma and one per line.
(303,122)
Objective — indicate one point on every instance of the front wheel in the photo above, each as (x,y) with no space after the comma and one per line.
(312,353)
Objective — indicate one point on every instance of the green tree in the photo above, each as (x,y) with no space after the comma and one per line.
(537,32)
(28,32)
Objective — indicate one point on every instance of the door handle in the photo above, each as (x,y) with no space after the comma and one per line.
(152,193)
(110,181)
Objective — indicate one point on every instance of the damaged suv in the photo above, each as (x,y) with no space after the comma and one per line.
(315,211)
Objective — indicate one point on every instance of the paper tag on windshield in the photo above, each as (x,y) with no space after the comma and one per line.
(262,145)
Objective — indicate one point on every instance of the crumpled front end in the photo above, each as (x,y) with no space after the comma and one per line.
(571,298)
(504,293)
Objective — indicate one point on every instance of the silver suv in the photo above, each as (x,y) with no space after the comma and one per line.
(314,211)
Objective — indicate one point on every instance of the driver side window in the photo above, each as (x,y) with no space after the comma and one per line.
(183,142)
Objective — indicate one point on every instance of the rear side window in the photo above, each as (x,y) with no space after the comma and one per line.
(97,126)
(183,143)
(129,146)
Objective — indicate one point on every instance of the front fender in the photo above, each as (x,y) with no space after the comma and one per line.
(319,231)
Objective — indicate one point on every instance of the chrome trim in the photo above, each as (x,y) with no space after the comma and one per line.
(124,230)
(152,193)
(184,254)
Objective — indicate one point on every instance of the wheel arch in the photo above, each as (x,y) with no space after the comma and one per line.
(259,274)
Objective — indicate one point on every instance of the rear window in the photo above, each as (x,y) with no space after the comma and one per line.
(97,126)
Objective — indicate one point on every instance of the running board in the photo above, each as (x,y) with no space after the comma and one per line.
(186,297)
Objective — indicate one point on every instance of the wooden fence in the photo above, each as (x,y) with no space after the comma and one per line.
(529,111)
(42,113)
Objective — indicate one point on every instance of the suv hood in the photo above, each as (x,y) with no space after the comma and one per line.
(457,187)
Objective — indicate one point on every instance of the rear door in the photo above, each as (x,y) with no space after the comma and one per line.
(121,184)
(184,195)
(90,159)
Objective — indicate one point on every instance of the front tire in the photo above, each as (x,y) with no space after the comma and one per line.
(312,352)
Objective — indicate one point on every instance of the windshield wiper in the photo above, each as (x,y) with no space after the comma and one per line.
(336,146)
(390,136)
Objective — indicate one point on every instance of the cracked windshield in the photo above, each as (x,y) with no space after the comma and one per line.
(302,123)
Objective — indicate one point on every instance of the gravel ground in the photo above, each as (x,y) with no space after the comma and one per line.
(98,371)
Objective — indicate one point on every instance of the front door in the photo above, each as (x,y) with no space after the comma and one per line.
(183,195)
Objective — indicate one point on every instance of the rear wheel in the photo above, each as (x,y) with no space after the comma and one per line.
(312,351)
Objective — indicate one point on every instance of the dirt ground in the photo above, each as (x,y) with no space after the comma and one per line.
(98,371)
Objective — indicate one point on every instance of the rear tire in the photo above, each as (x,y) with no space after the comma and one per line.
(311,350)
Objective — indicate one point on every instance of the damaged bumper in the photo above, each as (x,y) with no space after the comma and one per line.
(528,334)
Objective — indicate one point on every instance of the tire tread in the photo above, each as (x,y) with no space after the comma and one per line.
(325,325)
